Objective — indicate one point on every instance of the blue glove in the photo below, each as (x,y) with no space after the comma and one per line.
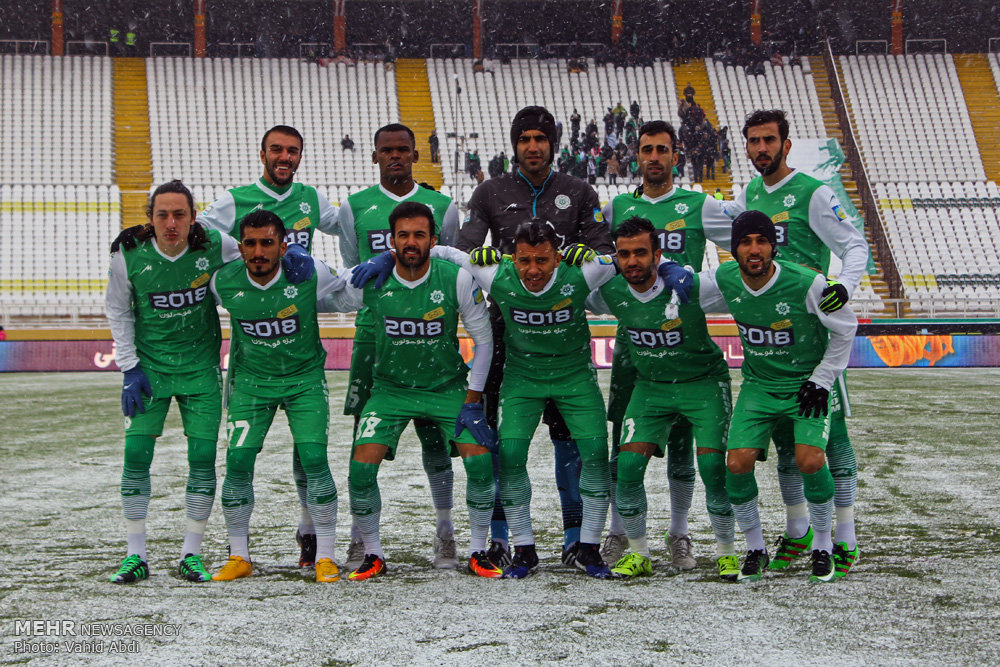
(297,264)
(472,417)
(484,256)
(378,267)
(134,386)
(677,279)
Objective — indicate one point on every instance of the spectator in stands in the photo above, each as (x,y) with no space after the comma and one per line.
(718,194)
(591,169)
(710,149)
(724,149)
(347,143)
(435,147)
(689,93)
(495,166)
(681,158)
(613,166)
(697,157)
(574,123)
(619,112)
(609,122)
(633,110)
(592,128)
(559,133)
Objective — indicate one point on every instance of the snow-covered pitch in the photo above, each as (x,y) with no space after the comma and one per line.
(926,590)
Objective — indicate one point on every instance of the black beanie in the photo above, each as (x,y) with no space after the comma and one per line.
(753,222)
(533,118)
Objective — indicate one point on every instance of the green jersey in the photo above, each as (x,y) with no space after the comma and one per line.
(547,335)
(666,343)
(301,208)
(416,326)
(363,223)
(788,208)
(161,313)
(274,328)
(783,341)
(683,219)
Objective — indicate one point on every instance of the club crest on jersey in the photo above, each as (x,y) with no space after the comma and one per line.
(437,296)
(305,207)
(201,263)
(681,208)
(782,308)
(566,289)
(291,291)
(788,201)
(562,202)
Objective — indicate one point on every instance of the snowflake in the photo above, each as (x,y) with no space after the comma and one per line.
(437,296)
(305,208)
(789,201)
(782,308)
(201,263)
(681,208)
(566,289)
(291,292)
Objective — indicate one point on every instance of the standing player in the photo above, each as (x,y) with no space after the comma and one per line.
(684,219)
(303,211)
(277,362)
(793,354)
(498,206)
(167,344)
(682,378)
(364,232)
(810,223)
(542,302)
(419,373)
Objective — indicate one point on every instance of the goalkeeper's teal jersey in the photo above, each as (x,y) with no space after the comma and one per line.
(665,347)
(783,342)
(176,324)
(416,329)
(275,332)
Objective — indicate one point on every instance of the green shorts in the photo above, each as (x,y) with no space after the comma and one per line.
(758,413)
(578,398)
(252,408)
(359,386)
(658,406)
(623,377)
(199,397)
(391,408)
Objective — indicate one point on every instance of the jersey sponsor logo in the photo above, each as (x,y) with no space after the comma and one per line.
(672,241)
(839,212)
(201,280)
(411,327)
(655,338)
(179,299)
(598,215)
(543,318)
(755,336)
(271,327)
(676,224)
(303,223)
(289,311)
(781,324)
(434,314)
(379,240)
(562,202)
(607,260)
(477,295)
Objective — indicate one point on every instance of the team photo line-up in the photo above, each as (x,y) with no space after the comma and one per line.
(554,253)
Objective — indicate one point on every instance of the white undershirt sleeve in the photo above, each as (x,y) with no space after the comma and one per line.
(840,236)
(476,319)
(449,226)
(118,308)
(328,215)
(596,303)
(348,237)
(598,271)
(842,324)
(220,214)
(334,293)
(709,296)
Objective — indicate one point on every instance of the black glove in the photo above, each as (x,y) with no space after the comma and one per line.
(578,253)
(834,297)
(126,239)
(484,256)
(812,400)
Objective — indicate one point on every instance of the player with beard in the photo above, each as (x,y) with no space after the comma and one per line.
(793,353)
(683,219)
(809,223)
(363,223)
(498,207)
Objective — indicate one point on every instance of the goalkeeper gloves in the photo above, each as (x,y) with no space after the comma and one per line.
(834,297)
(378,267)
(677,278)
(812,400)
(578,253)
(472,417)
(134,386)
(126,239)
(484,256)
(297,264)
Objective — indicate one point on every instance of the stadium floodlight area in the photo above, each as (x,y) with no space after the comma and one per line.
(736,94)
(57,111)
(207,116)
(490,99)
